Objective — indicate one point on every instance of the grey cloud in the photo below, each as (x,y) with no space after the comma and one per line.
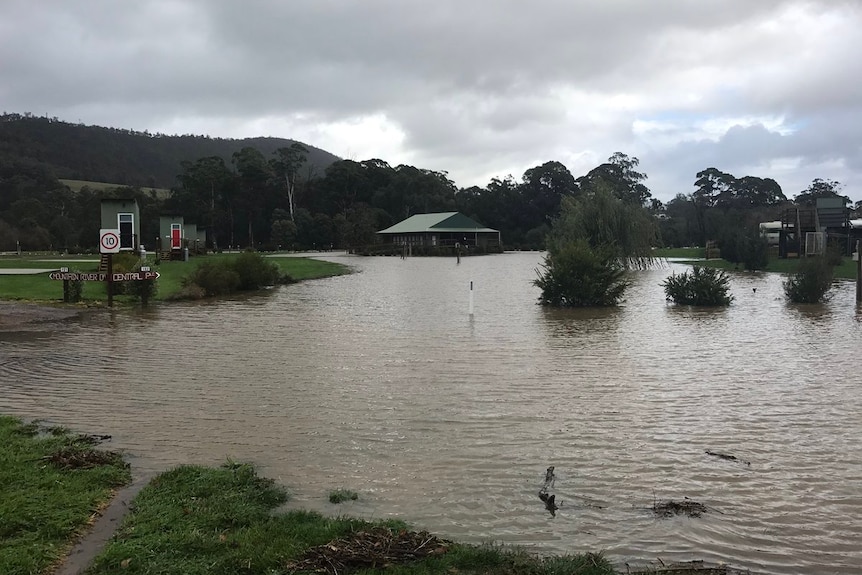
(475,87)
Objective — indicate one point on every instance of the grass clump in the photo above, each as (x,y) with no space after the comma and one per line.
(811,282)
(51,484)
(197,520)
(341,495)
(702,286)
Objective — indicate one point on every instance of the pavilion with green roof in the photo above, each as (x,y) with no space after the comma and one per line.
(440,229)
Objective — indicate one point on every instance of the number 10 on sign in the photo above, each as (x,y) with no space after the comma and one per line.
(109,241)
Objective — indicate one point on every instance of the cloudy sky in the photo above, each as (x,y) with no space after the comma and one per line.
(476,88)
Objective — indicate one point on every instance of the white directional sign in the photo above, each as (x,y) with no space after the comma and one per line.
(100,277)
(109,241)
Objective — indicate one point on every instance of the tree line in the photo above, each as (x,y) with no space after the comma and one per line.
(281,199)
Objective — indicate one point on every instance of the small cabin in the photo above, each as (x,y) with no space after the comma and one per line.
(171,233)
(123,214)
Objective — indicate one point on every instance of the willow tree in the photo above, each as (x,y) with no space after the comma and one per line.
(594,241)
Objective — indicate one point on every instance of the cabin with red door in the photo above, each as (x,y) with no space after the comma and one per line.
(171,237)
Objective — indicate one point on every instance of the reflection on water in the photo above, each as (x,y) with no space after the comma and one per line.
(381,382)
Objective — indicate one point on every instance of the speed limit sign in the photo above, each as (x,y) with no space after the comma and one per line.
(109,241)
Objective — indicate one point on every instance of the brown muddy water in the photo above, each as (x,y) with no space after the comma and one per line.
(382,383)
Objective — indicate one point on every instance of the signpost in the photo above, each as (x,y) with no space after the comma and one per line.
(109,243)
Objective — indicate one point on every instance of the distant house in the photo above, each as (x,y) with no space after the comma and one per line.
(125,216)
(440,229)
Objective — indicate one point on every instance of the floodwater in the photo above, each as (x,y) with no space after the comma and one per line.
(382,383)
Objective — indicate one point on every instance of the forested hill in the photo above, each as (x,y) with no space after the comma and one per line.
(94,153)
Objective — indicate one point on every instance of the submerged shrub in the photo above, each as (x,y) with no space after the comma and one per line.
(576,275)
(703,286)
(811,281)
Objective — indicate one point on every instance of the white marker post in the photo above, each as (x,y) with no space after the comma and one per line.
(471,298)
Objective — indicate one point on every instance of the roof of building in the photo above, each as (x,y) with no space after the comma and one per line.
(439,222)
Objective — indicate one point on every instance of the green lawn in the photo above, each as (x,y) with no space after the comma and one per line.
(847,269)
(39,288)
(47,493)
(196,520)
(679,252)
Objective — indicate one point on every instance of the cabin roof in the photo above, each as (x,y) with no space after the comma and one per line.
(437,222)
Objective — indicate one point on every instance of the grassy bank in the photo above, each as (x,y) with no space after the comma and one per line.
(39,288)
(847,269)
(692,253)
(196,520)
(51,483)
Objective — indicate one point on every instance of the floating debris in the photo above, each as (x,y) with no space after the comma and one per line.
(77,457)
(685,568)
(727,457)
(547,499)
(376,548)
(550,504)
(91,439)
(550,478)
(686,507)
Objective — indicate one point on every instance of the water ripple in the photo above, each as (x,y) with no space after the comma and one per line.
(381,382)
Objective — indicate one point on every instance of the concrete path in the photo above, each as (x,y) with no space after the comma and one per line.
(85,550)
(25,271)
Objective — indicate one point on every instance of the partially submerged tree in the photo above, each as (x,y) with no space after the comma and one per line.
(605,221)
(595,239)
(577,275)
